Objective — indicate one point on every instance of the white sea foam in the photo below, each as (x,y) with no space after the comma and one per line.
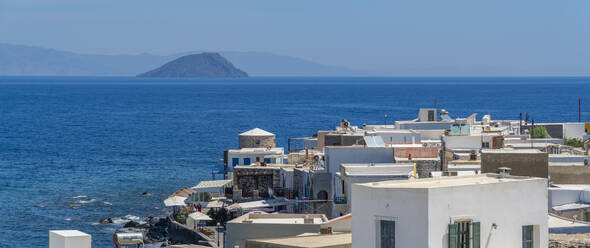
(86,201)
(127,218)
(79,196)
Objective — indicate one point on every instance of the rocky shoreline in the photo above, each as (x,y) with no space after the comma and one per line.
(154,229)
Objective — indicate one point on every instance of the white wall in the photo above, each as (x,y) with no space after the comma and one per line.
(397,136)
(231,154)
(466,142)
(422,215)
(287,178)
(350,180)
(409,207)
(444,125)
(573,130)
(69,239)
(510,205)
(434,134)
(335,156)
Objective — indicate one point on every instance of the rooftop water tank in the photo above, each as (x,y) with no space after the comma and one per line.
(128,238)
(256,138)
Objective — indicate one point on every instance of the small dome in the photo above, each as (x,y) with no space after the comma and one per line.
(256,132)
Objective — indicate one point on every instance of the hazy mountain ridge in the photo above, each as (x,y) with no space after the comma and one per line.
(202,65)
(17,60)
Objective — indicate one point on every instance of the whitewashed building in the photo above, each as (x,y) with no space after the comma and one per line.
(463,211)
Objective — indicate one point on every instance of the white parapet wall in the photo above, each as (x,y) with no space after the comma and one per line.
(69,239)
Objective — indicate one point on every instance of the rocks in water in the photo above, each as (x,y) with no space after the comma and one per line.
(131,224)
(162,222)
(145,194)
(105,221)
(154,229)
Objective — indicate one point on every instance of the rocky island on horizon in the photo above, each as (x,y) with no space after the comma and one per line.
(203,65)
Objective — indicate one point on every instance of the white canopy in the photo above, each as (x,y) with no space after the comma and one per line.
(198,216)
(259,204)
(216,186)
(175,201)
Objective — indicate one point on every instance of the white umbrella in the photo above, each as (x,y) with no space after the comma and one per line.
(175,201)
(198,216)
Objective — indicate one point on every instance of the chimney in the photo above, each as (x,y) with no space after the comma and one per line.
(503,172)
(308,220)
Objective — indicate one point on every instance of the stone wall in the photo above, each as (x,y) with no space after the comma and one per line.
(179,233)
(522,164)
(256,141)
(248,180)
(424,167)
(569,174)
(416,152)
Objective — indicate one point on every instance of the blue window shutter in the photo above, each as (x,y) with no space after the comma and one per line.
(235,161)
(267,160)
(476,236)
(453,239)
(246,161)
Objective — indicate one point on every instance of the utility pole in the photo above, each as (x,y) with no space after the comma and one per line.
(520,123)
(579,109)
(385,119)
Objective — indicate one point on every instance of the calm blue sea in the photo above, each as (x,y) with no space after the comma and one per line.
(74,150)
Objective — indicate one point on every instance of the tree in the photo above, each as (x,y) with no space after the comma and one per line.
(540,132)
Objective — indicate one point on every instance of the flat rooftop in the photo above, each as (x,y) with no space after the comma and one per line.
(268,166)
(280,218)
(312,241)
(257,150)
(516,151)
(378,169)
(451,181)
(566,164)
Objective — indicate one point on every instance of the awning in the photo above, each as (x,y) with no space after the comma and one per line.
(212,186)
(175,201)
(198,216)
(259,204)
(184,192)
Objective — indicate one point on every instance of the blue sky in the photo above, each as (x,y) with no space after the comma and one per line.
(502,37)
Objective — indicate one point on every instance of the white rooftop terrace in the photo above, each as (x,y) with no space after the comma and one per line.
(257,150)
(280,218)
(508,150)
(379,169)
(453,181)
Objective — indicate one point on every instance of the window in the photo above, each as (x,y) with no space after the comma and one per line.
(267,160)
(527,237)
(485,145)
(464,234)
(387,234)
(246,161)
(235,161)
(431,115)
(257,159)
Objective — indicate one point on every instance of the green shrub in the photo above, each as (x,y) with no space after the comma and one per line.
(540,132)
(574,142)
